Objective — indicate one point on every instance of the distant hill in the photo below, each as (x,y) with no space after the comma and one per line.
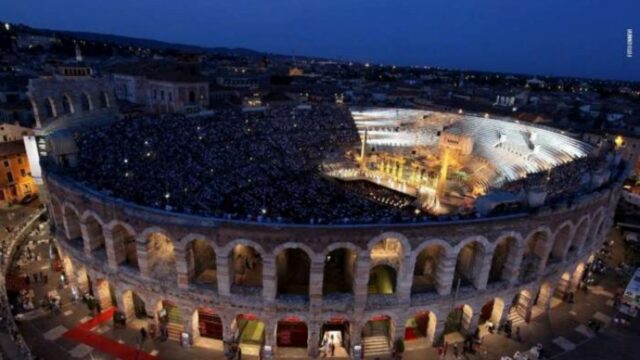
(138,42)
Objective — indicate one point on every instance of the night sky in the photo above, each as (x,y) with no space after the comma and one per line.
(586,38)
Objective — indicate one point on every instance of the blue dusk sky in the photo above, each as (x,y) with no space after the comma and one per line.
(584,38)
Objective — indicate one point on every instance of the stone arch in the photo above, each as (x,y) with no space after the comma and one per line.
(339,268)
(406,245)
(50,108)
(376,326)
(71,219)
(580,234)
(535,253)
(85,102)
(427,267)
(389,248)
(422,325)
(383,280)
(504,256)
(200,259)
(95,239)
(292,331)
(562,240)
(596,227)
(133,304)
(123,240)
(161,260)
(471,253)
(67,104)
(245,265)
(491,312)
(459,320)
(293,268)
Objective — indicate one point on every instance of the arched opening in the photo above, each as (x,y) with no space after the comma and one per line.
(505,251)
(595,229)
(534,256)
(85,102)
(382,280)
(560,243)
(336,332)
(291,332)
(126,250)
(95,239)
(426,269)
(469,264)
(339,272)
(67,105)
(490,315)
(543,299)
(209,323)
(72,227)
(421,328)
(133,306)
(49,108)
(246,269)
(562,290)
(250,332)
(580,236)
(201,263)
(519,306)
(105,294)
(104,100)
(376,336)
(293,268)
(170,320)
(192,97)
(457,324)
(161,258)
(578,276)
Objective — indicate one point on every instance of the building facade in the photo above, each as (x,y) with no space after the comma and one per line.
(15,178)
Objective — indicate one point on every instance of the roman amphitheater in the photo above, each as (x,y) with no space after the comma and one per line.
(280,283)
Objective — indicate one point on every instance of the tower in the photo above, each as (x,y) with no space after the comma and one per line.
(78,53)
(363,149)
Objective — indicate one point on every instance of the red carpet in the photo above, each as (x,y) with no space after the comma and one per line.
(410,334)
(83,334)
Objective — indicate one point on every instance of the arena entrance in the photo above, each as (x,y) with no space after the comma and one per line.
(291,337)
(562,290)
(490,315)
(376,336)
(170,318)
(420,330)
(105,294)
(133,306)
(457,324)
(250,333)
(519,306)
(336,332)
(209,324)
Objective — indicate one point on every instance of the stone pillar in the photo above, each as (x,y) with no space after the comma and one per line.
(223,273)
(86,242)
(113,254)
(313,339)
(361,290)
(356,339)
(316,281)
(439,332)
(182,268)
(125,304)
(143,258)
(269,340)
(512,265)
(190,321)
(445,272)
(473,322)
(405,279)
(482,267)
(269,278)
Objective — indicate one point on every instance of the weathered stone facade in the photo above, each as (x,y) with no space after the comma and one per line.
(125,244)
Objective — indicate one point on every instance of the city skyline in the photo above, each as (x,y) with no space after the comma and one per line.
(540,39)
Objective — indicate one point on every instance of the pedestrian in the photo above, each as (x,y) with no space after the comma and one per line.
(46,278)
(333,349)
(35,277)
(239,353)
(98,308)
(440,352)
(41,276)
(518,338)
(455,351)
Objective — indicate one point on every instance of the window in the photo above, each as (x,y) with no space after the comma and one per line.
(19,160)
(6,163)
(23,173)
(10,177)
